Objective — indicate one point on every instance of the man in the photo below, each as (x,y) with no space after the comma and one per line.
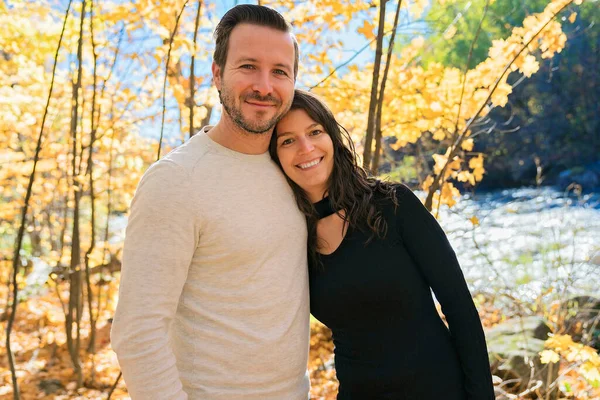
(213,302)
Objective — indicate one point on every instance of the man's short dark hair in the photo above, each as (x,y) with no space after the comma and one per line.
(249,14)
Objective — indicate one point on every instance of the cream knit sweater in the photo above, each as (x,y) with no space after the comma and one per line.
(213,302)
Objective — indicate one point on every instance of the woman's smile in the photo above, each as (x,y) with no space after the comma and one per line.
(310,164)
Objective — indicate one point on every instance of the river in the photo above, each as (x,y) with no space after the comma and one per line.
(527,240)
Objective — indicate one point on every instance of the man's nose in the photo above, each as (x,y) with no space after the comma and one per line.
(263,84)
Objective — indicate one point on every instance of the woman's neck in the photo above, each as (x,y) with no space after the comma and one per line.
(314,196)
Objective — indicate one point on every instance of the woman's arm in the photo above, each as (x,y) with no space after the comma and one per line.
(428,246)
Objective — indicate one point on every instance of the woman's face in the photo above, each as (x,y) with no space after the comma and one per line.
(305,152)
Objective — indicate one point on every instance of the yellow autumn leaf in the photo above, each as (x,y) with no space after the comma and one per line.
(463,176)
(439,135)
(467,144)
(530,65)
(449,194)
(572,17)
(559,342)
(427,183)
(591,373)
(440,159)
(476,164)
(549,356)
(367,30)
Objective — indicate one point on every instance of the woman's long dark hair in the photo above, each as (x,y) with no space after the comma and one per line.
(350,188)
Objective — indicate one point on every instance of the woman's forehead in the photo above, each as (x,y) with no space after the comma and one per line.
(296,120)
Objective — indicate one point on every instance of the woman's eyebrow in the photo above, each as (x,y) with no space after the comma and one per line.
(312,126)
(291,133)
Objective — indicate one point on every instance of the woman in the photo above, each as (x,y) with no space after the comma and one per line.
(375,255)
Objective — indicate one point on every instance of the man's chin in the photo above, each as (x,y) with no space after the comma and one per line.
(258,128)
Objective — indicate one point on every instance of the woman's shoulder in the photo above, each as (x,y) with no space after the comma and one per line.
(401,190)
(392,192)
(399,198)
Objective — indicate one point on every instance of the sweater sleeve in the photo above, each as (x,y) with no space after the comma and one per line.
(161,237)
(428,246)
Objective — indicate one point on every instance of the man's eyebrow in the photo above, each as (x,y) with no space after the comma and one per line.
(246,59)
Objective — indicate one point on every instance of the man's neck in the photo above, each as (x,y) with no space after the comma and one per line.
(229,135)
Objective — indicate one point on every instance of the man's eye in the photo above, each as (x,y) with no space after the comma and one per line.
(280,72)
(247,66)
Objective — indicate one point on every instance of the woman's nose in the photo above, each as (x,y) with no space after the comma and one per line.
(306,146)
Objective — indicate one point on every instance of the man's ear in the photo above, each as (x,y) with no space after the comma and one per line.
(216,71)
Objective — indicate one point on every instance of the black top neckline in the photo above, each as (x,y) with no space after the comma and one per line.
(324,208)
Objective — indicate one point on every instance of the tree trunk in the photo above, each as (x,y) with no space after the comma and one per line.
(73,318)
(373,101)
(377,154)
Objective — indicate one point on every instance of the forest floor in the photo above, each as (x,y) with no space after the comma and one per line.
(45,371)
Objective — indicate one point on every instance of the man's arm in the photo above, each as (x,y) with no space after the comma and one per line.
(162,234)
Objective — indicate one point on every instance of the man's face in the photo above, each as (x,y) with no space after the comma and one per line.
(257,82)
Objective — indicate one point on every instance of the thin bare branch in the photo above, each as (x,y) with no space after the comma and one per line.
(192,102)
(348,61)
(94,127)
(164,92)
(19,241)
(114,386)
(468,65)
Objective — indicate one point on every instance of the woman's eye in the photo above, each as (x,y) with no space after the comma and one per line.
(286,142)
(316,132)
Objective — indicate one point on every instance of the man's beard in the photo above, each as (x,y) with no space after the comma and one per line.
(256,127)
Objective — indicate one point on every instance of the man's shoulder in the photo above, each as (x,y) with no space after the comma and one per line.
(176,168)
(191,153)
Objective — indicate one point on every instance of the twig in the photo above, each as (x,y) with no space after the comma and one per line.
(462,92)
(114,386)
(21,232)
(88,253)
(164,93)
(348,61)
(192,102)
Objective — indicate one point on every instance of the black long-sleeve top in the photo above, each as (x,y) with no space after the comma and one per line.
(390,342)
